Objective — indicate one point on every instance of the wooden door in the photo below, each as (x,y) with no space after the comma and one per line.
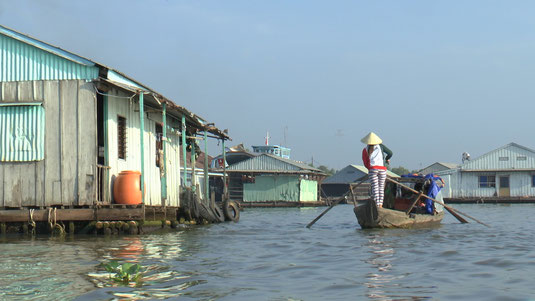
(504,186)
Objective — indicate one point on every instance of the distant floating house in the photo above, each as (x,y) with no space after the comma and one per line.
(437,167)
(507,172)
(275,150)
(69,126)
(338,184)
(269,180)
(233,155)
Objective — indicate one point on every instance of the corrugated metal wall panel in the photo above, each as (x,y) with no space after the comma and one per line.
(23,62)
(308,191)
(66,176)
(173,169)
(22,133)
(272,188)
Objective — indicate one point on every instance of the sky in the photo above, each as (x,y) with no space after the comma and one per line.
(433,79)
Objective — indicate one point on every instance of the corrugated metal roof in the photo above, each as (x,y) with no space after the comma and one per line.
(22,133)
(25,58)
(449,165)
(351,174)
(437,166)
(271,163)
(45,46)
(24,61)
(348,174)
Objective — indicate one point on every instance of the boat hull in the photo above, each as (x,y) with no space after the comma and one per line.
(370,216)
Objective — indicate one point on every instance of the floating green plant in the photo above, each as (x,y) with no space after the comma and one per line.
(123,272)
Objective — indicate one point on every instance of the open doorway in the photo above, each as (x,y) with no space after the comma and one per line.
(102,195)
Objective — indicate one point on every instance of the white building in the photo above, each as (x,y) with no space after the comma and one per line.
(506,172)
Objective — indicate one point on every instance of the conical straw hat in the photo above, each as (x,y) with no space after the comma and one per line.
(371,139)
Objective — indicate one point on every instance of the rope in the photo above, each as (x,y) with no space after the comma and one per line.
(32,222)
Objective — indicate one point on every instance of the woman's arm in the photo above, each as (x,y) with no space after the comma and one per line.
(366,159)
(387,151)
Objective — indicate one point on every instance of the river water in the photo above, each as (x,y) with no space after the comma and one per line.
(270,255)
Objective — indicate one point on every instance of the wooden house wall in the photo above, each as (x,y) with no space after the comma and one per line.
(67,174)
(129,109)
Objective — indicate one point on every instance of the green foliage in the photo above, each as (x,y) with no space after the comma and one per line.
(400,170)
(327,170)
(123,273)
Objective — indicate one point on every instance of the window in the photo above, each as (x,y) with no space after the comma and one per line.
(22,128)
(487,181)
(159,145)
(521,158)
(121,137)
(503,158)
(533,180)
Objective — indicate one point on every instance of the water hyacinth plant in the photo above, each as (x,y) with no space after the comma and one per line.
(123,272)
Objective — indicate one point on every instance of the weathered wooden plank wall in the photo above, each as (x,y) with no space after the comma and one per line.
(67,174)
(120,105)
(52,170)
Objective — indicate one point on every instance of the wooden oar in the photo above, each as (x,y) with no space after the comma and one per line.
(451,210)
(336,202)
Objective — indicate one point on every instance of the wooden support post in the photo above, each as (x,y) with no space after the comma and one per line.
(105,194)
(184,150)
(353,196)
(141,143)
(164,144)
(71,228)
(225,188)
(193,159)
(206,179)
(414,203)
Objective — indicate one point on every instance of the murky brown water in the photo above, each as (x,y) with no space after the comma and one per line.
(270,255)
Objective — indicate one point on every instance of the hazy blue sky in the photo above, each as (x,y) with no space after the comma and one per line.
(432,78)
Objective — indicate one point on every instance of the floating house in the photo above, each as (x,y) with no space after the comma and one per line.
(338,184)
(69,126)
(232,155)
(269,180)
(506,173)
(276,150)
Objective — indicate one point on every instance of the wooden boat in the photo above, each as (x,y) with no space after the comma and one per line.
(401,208)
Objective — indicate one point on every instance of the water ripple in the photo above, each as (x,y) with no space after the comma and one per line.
(270,255)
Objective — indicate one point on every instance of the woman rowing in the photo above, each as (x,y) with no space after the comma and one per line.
(373,156)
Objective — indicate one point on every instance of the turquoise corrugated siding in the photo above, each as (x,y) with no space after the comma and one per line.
(22,133)
(309,190)
(23,62)
(272,188)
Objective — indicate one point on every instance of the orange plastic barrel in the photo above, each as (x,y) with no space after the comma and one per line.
(127,189)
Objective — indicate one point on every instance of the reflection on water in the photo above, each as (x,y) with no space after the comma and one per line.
(380,258)
(270,255)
